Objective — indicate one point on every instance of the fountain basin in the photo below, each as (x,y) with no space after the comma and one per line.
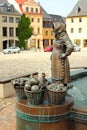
(79,92)
(79,118)
(55,117)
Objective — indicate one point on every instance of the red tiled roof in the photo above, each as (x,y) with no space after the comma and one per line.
(21,1)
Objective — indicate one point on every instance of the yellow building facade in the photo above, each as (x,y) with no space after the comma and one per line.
(41,22)
(48,37)
(32,10)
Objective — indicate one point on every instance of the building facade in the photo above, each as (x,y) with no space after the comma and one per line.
(47,29)
(32,10)
(48,20)
(41,22)
(9,18)
(48,36)
(76,23)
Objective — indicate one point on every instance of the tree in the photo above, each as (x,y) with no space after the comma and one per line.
(24,31)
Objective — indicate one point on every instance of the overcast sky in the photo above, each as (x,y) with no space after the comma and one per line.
(59,7)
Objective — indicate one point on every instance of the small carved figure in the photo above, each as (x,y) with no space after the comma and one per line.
(59,59)
(43,81)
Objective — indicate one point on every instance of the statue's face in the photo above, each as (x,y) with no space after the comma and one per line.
(59,27)
(57,35)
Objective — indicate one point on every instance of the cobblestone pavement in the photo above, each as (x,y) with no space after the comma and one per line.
(28,61)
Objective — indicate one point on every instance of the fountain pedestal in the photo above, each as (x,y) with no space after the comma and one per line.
(45,116)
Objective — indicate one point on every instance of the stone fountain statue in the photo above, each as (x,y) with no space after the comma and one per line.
(47,104)
(59,59)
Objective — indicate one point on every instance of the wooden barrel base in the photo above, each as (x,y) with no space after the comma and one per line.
(45,116)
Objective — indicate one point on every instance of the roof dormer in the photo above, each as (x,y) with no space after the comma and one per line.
(77,9)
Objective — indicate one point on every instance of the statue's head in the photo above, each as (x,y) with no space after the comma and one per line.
(59,27)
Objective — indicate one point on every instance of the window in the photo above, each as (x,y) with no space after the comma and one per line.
(11,19)
(46,32)
(4,31)
(72,30)
(38,30)
(10,8)
(33,29)
(72,20)
(80,19)
(11,43)
(17,20)
(77,9)
(32,19)
(51,32)
(11,31)
(4,18)
(27,9)
(38,20)
(36,10)
(32,10)
(16,32)
(80,30)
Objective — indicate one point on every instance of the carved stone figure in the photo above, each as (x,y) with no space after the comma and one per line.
(59,59)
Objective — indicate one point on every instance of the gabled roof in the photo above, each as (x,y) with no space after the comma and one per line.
(3,1)
(57,18)
(80,9)
(7,8)
(52,17)
(45,14)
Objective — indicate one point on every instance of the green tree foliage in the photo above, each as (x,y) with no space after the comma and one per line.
(24,31)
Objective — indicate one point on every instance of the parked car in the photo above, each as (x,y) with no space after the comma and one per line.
(11,50)
(76,47)
(48,49)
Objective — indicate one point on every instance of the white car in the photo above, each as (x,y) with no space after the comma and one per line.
(11,50)
(76,47)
